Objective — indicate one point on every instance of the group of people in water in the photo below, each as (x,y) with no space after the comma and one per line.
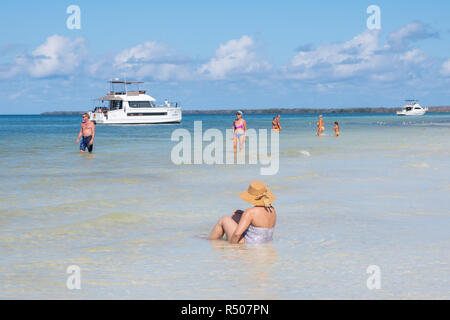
(87,131)
(255,225)
(321,127)
(240,129)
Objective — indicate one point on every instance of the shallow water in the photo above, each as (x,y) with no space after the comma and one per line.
(133,221)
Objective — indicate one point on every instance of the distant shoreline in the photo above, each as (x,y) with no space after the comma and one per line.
(280,110)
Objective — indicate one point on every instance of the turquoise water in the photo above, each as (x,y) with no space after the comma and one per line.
(133,221)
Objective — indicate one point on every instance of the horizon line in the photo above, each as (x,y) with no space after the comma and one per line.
(443,108)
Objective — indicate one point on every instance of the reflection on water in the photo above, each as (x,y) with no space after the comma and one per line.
(128,217)
(255,265)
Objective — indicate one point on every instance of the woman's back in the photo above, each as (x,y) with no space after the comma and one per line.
(263,217)
(262,225)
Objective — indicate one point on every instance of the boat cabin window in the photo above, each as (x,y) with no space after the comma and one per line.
(408,108)
(115,105)
(141,104)
(417,108)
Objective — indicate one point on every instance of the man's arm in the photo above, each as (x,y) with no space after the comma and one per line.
(93,133)
(79,134)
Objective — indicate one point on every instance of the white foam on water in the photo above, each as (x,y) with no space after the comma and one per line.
(305,153)
(419,165)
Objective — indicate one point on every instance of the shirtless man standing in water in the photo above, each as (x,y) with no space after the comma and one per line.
(87,131)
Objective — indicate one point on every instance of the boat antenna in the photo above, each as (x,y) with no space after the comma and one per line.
(125,82)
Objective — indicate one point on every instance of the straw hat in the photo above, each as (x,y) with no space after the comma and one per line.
(258,195)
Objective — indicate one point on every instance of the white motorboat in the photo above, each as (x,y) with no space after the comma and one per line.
(412,108)
(127,104)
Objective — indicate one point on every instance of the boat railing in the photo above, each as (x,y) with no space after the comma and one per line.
(170,104)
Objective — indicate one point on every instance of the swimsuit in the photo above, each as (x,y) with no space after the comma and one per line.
(254,235)
(320,127)
(257,235)
(241,126)
(276,126)
(85,144)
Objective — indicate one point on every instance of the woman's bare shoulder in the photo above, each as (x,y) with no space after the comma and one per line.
(250,210)
(254,210)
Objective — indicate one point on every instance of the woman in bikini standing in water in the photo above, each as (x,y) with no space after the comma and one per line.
(240,131)
(320,126)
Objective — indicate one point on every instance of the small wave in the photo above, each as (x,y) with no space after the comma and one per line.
(297,152)
(326,243)
(419,165)
(305,153)
(306,176)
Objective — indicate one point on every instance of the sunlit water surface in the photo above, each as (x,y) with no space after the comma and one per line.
(134,222)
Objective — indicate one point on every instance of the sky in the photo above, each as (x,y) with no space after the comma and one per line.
(225,55)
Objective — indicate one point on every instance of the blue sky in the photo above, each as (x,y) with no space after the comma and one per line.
(219,55)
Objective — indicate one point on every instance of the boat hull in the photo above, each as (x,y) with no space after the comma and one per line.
(118,117)
(406,113)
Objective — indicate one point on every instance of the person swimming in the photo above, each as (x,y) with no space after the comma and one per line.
(252,226)
(336,129)
(320,126)
(240,131)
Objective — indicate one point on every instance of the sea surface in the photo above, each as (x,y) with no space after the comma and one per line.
(135,223)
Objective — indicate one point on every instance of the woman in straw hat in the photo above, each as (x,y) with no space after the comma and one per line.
(256,224)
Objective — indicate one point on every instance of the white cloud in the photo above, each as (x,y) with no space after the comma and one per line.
(415,31)
(58,55)
(9,70)
(413,56)
(150,60)
(234,57)
(339,60)
(445,69)
(364,59)
(141,53)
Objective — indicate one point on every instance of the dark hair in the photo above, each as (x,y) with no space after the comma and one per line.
(336,123)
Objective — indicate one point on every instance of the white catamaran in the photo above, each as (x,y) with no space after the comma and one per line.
(127,104)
